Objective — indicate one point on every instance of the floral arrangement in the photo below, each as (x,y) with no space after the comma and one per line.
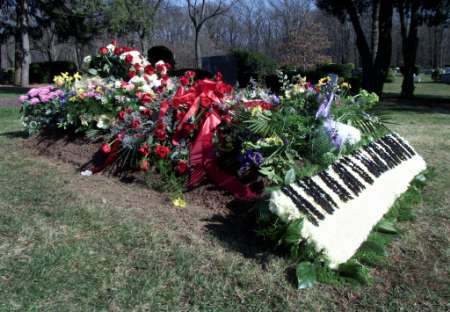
(250,142)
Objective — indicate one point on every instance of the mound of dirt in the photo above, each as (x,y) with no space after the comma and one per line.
(209,210)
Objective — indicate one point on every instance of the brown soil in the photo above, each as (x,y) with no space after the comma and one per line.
(209,211)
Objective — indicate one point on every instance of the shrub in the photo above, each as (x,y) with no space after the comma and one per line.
(45,71)
(6,76)
(342,70)
(252,65)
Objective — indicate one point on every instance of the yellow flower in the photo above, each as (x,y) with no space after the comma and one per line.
(256,110)
(345,85)
(58,81)
(98,89)
(323,80)
(65,75)
(77,76)
(179,202)
(72,99)
(275,140)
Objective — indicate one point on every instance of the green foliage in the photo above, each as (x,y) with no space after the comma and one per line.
(306,275)
(44,116)
(252,65)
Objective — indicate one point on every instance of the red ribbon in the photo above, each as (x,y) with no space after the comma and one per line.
(204,163)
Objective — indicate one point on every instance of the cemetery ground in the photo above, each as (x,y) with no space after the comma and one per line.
(426,89)
(71,243)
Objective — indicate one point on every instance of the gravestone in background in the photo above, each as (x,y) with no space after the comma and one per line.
(445,78)
(226,64)
(160,53)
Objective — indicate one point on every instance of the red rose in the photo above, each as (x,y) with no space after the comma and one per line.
(146,98)
(188,127)
(161,134)
(131,74)
(114,42)
(184,81)
(190,74)
(227,119)
(161,67)
(103,51)
(129,58)
(106,148)
(137,67)
(162,151)
(144,150)
(144,165)
(117,51)
(180,115)
(129,110)
(182,167)
(121,115)
(135,124)
(147,112)
(120,136)
(149,70)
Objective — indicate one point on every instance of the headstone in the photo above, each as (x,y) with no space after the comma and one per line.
(160,53)
(226,64)
(445,78)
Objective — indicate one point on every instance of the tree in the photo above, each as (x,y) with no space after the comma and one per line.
(375,61)
(135,17)
(306,47)
(201,11)
(412,14)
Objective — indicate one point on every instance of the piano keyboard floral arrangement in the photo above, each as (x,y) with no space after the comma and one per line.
(319,163)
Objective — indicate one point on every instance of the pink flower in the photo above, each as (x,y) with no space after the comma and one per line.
(23,98)
(33,92)
(34,101)
(44,90)
(44,98)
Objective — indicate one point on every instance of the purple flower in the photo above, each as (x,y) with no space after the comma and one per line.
(325,106)
(249,160)
(340,133)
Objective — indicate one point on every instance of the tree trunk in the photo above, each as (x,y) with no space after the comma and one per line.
(410,43)
(368,76)
(375,28)
(383,57)
(17,58)
(198,56)
(26,59)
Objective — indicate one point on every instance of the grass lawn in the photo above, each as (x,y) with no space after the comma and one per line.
(69,243)
(426,89)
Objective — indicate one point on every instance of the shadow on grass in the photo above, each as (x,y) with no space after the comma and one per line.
(15,135)
(418,104)
(237,231)
(13,89)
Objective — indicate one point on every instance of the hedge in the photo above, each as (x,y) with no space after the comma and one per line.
(45,71)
